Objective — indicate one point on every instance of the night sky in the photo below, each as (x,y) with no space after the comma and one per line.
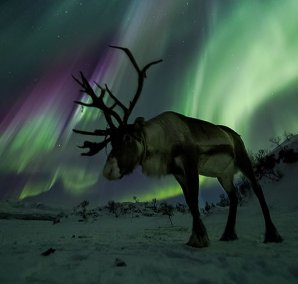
(232,62)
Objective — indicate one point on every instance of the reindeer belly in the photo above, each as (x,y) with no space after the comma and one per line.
(216,165)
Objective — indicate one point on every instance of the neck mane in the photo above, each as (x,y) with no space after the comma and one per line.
(142,140)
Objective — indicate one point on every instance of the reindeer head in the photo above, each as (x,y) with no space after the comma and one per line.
(126,139)
(127,151)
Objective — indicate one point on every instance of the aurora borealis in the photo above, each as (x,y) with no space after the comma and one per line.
(232,63)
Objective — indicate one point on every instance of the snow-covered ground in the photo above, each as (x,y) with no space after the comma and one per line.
(150,249)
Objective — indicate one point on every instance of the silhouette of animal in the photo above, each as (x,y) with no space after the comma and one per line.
(173,144)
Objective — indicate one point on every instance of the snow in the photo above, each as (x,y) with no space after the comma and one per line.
(145,249)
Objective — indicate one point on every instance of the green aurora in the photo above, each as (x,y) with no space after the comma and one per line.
(221,63)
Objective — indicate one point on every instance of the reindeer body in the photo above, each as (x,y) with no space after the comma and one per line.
(171,143)
(170,135)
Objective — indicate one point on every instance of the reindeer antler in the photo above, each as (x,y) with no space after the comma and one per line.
(98,101)
(141,76)
(109,113)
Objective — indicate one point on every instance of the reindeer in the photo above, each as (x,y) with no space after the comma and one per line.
(173,144)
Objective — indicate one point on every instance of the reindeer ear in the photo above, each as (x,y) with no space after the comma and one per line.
(139,123)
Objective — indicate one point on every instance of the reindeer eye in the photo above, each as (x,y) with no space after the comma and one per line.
(127,139)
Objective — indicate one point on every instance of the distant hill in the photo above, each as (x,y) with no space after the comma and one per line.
(283,193)
(267,163)
(56,197)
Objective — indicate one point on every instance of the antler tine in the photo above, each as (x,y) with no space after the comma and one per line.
(117,102)
(86,86)
(98,101)
(146,67)
(130,56)
(141,77)
(100,87)
(94,147)
(98,132)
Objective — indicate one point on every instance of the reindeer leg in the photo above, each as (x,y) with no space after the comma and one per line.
(271,233)
(189,182)
(199,237)
(229,232)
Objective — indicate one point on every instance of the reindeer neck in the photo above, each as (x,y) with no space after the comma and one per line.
(144,144)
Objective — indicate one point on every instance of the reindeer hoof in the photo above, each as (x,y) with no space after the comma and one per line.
(226,237)
(198,242)
(273,237)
